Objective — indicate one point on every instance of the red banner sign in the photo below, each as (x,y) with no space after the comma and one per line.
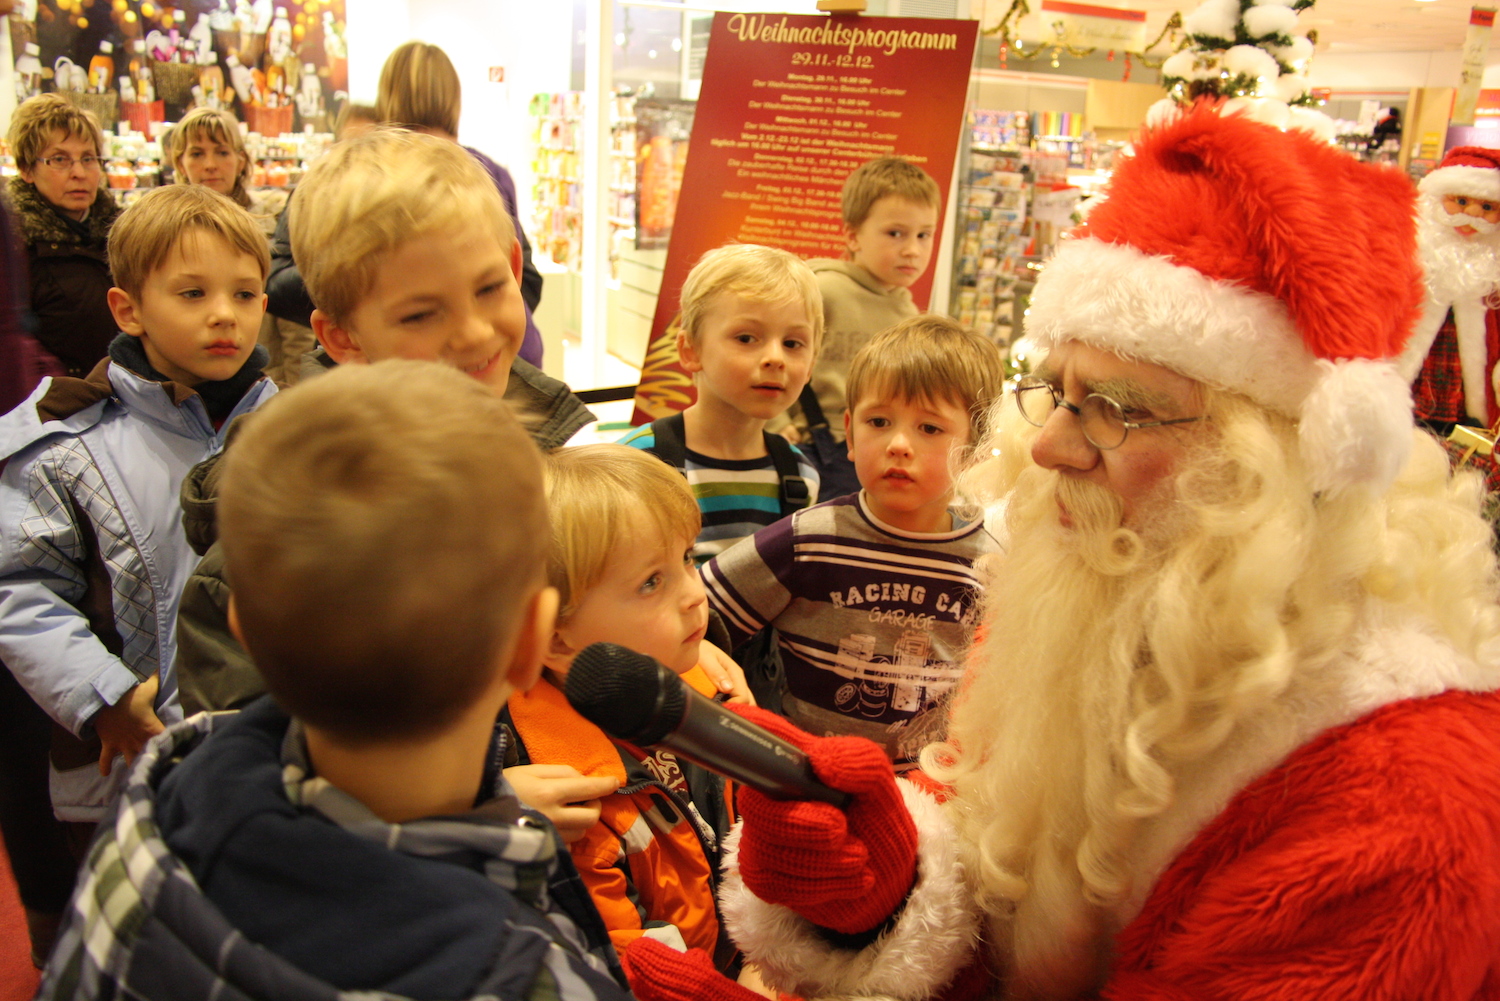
(790,105)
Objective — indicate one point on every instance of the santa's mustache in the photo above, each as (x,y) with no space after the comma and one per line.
(1462,220)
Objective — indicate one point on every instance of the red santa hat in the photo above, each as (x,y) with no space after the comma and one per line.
(1261,262)
(1466,170)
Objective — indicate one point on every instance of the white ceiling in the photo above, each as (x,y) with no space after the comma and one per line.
(1349,25)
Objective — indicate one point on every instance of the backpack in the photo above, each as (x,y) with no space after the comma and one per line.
(671,448)
(758,656)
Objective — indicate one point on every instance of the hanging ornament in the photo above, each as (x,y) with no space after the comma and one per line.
(1111,56)
(1126,77)
(1055,62)
(1004,52)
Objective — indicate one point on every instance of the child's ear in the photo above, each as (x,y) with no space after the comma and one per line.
(337,341)
(534,634)
(687,354)
(848,436)
(127,316)
(851,240)
(517,260)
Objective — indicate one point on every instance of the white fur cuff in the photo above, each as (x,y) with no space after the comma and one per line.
(933,939)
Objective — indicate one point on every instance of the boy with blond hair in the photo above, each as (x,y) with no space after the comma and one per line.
(623,525)
(407,252)
(750,327)
(890,209)
(352,832)
(92,556)
(873,594)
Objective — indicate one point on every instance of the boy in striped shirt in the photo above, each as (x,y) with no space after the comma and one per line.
(751,321)
(873,594)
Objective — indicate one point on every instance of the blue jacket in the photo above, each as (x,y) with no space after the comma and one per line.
(93,557)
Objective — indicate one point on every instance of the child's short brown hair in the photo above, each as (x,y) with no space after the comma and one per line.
(930,357)
(383,530)
(34,122)
(214,126)
(590,490)
(374,192)
(880,178)
(759,274)
(146,233)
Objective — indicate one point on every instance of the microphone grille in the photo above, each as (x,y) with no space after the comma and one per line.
(626,694)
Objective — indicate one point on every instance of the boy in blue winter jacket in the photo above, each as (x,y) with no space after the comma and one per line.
(385,531)
(92,553)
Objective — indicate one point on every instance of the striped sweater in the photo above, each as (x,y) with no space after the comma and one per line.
(872,621)
(737,497)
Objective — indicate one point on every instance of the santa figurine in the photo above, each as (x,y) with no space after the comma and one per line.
(1455,346)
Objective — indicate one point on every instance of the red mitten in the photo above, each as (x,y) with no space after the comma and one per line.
(848,870)
(659,972)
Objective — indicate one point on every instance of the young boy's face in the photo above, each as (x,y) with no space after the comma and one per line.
(444,296)
(198,314)
(895,241)
(650,600)
(212,164)
(901,450)
(751,357)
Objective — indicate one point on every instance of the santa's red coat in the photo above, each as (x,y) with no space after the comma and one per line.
(1364,866)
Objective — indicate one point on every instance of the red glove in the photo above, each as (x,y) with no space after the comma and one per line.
(659,972)
(848,870)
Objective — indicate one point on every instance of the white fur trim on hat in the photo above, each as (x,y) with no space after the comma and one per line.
(1476,182)
(1148,309)
(934,938)
(1354,416)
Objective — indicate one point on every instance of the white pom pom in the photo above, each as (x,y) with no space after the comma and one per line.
(1355,427)
(1314,123)
(1162,112)
(1251,60)
(1290,87)
(1179,65)
(1215,18)
(1273,20)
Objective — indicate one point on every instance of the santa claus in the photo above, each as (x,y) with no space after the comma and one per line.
(1232,730)
(1455,346)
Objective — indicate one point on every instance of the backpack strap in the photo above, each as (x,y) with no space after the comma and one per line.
(812,410)
(671,447)
(671,440)
(794,490)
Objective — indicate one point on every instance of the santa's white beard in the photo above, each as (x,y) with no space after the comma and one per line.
(1458,268)
(1044,718)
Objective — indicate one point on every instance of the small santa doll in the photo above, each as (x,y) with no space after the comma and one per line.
(1455,346)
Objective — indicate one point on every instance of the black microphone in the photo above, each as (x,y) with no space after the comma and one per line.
(633,698)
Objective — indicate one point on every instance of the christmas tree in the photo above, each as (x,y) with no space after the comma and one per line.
(1252,53)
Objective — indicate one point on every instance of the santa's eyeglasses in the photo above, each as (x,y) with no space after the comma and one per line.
(1100,418)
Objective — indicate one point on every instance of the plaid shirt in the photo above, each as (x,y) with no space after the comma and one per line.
(1438,398)
(139,926)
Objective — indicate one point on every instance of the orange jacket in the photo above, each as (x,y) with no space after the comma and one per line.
(648,863)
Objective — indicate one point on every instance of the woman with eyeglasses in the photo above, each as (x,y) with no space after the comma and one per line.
(64,215)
